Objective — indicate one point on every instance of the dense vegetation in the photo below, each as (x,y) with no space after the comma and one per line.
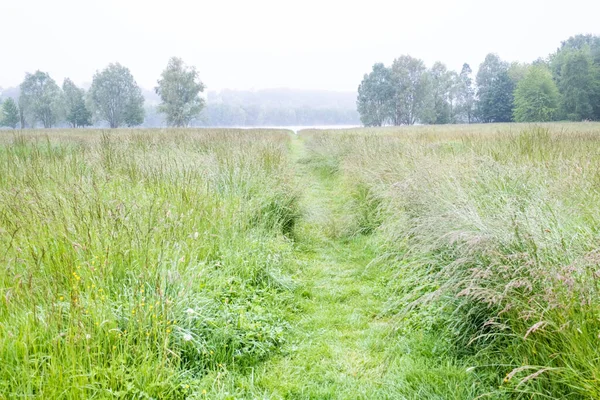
(114,98)
(489,238)
(176,101)
(413,262)
(136,263)
(563,86)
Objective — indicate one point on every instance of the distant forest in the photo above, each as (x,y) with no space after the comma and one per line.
(40,102)
(270,107)
(563,86)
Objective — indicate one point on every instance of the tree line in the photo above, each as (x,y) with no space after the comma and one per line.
(563,86)
(114,97)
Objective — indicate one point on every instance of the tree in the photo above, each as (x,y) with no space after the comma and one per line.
(575,67)
(134,113)
(22,117)
(116,97)
(411,85)
(41,99)
(465,94)
(442,90)
(179,89)
(579,85)
(375,96)
(77,113)
(10,113)
(495,90)
(536,96)
(517,71)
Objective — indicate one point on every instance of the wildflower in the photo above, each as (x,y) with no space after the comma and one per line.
(187,337)
(88,336)
(190,311)
(204,391)
(61,298)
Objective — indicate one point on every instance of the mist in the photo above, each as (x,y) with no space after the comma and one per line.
(268,44)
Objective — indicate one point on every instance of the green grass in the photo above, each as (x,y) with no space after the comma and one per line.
(136,263)
(490,236)
(453,262)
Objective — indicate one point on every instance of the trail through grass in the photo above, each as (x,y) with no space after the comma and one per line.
(227,264)
(337,349)
(341,343)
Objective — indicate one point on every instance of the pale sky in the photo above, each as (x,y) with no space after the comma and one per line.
(245,44)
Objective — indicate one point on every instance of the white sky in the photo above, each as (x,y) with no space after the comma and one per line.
(308,44)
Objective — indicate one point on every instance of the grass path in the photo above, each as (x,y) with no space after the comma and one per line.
(341,344)
(337,348)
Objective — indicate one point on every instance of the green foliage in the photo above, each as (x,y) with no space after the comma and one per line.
(10,113)
(134,112)
(517,71)
(576,69)
(536,97)
(495,90)
(375,96)
(465,95)
(78,115)
(116,97)
(443,88)
(439,96)
(139,262)
(411,86)
(578,83)
(41,99)
(179,89)
(491,234)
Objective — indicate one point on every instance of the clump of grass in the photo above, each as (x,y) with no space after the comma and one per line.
(490,237)
(136,262)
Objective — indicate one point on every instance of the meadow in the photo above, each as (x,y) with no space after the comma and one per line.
(430,262)
(134,262)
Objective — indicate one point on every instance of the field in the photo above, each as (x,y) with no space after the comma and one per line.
(450,262)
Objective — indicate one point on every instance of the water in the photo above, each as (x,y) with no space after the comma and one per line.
(297,128)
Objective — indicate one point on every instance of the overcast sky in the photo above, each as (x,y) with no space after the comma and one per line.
(309,44)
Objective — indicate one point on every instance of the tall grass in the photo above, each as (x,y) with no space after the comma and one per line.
(134,262)
(491,238)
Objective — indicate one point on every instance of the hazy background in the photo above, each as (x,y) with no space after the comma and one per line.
(257,44)
(322,48)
